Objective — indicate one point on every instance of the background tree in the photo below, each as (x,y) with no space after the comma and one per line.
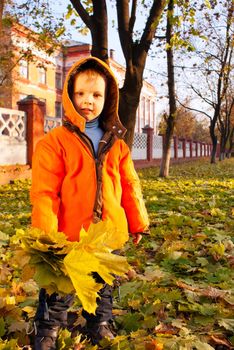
(170,118)
(213,64)
(187,125)
(180,30)
(225,123)
(7,62)
(201,131)
(135,49)
(94,15)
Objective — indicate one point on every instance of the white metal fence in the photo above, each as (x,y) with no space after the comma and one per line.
(13,146)
(139,149)
(157,147)
(51,123)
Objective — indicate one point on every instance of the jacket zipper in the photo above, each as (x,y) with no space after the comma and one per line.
(98,161)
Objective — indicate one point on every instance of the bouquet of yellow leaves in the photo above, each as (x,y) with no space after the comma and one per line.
(63,266)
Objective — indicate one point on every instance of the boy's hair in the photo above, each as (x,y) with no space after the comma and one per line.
(88,66)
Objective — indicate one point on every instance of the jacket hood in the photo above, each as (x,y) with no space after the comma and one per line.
(109,116)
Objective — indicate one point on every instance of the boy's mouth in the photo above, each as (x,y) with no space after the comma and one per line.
(86,110)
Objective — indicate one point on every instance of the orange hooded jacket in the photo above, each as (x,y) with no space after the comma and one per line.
(70,188)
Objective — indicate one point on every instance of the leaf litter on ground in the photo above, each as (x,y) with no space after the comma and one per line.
(179,292)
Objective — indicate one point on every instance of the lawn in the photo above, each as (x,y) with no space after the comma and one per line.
(179,293)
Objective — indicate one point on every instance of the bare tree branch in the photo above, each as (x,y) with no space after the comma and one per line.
(82,12)
(194,109)
(198,93)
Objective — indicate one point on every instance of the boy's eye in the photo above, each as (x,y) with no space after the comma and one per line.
(97,95)
(79,93)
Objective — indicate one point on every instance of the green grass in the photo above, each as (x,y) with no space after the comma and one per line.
(180,294)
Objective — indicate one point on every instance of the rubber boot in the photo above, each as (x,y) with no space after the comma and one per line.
(99,326)
(51,315)
(45,339)
(98,331)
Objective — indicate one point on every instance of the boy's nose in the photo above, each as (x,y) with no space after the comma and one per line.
(87,102)
(88,99)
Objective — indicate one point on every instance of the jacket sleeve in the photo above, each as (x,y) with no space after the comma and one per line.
(47,177)
(132,199)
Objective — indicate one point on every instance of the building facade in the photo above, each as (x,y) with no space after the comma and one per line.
(43,75)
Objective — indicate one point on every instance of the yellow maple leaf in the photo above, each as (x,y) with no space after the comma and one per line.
(93,253)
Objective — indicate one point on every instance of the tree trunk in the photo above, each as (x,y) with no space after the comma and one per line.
(166,156)
(98,26)
(135,54)
(214,137)
(214,148)
(213,152)
(222,146)
(99,31)
(129,96)
(127,110)
(231,143)
(165,163)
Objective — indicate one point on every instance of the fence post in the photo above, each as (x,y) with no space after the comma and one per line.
(184,147)
(191,148)
(200,149)
(35,110)
(149,132)
(196,148)
(175,147)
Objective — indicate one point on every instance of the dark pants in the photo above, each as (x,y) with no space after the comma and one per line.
(104,308)
(52,309)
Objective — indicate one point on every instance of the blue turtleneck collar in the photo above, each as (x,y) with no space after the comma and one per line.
(94,132)
(93,123)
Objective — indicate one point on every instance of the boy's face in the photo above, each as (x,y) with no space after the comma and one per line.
(89,94)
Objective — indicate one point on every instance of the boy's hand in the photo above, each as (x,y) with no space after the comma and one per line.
(136,238)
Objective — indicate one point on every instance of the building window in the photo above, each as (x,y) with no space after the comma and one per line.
(24,69)
(58,80)
(58,109)
(42,75)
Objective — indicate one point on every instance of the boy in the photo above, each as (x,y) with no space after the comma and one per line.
(82,173)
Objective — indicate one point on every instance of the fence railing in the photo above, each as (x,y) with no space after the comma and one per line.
(139,149)
(13,145)
(13,123)
(147,147)
(51,123)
